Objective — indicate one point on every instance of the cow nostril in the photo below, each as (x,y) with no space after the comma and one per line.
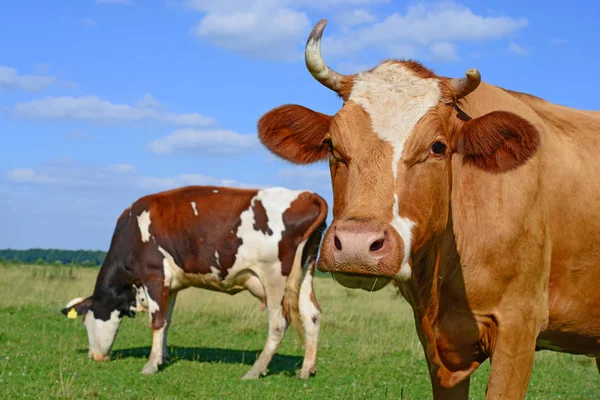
(338,244)
(376,245)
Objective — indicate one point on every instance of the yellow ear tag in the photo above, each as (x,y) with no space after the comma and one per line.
(72,314)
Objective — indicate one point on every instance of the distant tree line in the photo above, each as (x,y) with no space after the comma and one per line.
(91,258)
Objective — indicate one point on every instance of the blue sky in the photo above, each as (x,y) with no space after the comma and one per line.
(103,101)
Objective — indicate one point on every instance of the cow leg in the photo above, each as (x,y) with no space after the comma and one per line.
(158,299)
(458,392)
(171,306)
(255,287)
(310,314)
(598,363)
(512,360)
(277,327)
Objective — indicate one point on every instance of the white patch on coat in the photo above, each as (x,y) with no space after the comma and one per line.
(215,191)
(76,300)
(140,300)
(144,225)
(170,267)
(257,247)
(404,227)
(152,305)
(101,334)
(259,252)
(396,99)
(193,203)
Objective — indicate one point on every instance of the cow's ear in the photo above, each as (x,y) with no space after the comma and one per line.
(497,142)
(79,306)
(295,133)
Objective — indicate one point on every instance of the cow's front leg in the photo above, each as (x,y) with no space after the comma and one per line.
(159,311)
(458,392)
(512,358)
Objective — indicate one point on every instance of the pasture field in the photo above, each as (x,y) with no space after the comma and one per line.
(368,348)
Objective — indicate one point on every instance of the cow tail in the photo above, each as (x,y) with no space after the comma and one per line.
(306,253)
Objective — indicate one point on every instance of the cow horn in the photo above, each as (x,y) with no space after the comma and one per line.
(314,61)
(464,86)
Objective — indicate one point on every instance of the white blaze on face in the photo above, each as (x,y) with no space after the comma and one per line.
(144,225)
(396,99)
(101,334)
(194,208)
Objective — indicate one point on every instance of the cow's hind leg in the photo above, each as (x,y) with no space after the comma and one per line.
(160,308)
(310,314)
(277,327)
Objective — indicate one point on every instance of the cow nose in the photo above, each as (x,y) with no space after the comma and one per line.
(360,244)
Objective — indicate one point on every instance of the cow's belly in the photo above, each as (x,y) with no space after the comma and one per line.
(569,342)
(573,309)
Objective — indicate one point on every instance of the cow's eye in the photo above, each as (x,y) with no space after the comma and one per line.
(438,148)
(334,153)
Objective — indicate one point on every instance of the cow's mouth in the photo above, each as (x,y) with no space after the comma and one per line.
(369,283)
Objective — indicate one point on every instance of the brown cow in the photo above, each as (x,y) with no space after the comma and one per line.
(215,238)
(481,204)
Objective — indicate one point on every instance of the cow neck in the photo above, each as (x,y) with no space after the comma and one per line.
(435,264)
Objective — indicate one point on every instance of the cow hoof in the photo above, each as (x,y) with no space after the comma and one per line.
(306,374)
(252,375)
(150,369)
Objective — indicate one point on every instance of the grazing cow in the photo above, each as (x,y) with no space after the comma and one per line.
(481,204)
(215,238)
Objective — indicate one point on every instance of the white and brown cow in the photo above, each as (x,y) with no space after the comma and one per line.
(215,238)
(481,203)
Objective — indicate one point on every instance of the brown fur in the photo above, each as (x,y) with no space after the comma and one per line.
(500,261)
(497,142)
(295,133)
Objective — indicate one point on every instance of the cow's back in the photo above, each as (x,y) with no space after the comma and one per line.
(208,235)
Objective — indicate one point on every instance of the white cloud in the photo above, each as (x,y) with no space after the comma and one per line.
(27,175)
(88,22)
(428,24)
(70,174)
(517,49)
(214,141)
(10,78)
(232,5)
(316,177)
(78,135)
(148,101)
(444,51)
(117,2)
(121,168)
(273,29)
(261,33)
(558,41)
(358,16)
(95,109)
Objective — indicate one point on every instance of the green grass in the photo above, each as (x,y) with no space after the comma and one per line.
(368,349)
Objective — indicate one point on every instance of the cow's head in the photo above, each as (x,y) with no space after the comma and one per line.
(389,149)
(102,316)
